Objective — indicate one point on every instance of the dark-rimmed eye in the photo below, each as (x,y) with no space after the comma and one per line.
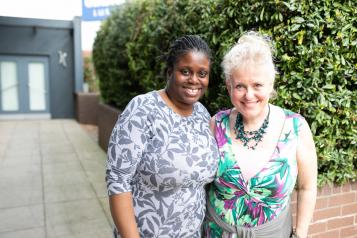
(202,74)
(185,72)
(239,86)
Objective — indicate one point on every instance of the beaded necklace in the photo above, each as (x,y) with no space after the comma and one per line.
(247,136)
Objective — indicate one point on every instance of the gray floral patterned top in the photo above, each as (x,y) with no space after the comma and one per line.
(164,160)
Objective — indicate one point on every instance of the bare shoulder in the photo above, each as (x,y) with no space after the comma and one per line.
(306,151)
(306,158)
(305,131)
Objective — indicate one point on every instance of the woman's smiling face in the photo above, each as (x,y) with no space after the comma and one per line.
(250,88)
(188,79)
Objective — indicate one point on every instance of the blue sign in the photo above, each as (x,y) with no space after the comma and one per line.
(96,10)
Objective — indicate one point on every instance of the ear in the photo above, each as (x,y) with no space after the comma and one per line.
(272,90)
(228,86)
(169,72)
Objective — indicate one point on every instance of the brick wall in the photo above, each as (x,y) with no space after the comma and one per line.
(335,214)
(107,116)
(87,108)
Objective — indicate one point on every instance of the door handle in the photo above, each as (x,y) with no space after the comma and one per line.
(9,87)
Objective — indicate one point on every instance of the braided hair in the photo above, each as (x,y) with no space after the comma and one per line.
(184,45)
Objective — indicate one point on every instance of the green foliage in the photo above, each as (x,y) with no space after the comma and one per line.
(316,57)
(89,75)
(111,58)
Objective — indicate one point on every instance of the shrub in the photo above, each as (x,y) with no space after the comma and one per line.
(89,75)
(316,54)
(110,55)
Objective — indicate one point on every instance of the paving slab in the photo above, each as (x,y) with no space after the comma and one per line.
(51,181)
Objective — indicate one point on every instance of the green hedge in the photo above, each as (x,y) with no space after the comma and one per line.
(89,76)
(316,57)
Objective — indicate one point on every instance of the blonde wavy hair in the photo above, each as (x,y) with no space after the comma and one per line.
(252,48)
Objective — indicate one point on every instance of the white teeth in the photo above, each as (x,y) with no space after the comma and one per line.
(193,90)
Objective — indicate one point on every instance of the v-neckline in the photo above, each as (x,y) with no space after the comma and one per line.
(247,182)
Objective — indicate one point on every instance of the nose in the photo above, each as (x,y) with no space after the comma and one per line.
(249,94)
(193,78)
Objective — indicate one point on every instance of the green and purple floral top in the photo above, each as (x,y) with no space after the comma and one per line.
(264,196)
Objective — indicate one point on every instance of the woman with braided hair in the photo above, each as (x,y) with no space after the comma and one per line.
(263,150)
(161,153)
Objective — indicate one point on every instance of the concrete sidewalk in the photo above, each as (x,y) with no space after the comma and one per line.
(51,181)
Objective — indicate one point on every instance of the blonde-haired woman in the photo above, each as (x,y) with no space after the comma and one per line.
(263,149)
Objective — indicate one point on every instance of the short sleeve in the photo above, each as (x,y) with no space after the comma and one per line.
(205,114)
(126,145)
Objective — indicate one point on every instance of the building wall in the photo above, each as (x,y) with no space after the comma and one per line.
(335,214)
(35,37)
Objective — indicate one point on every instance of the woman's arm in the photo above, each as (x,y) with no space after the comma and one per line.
(307,180)
(125,148)
(121,208)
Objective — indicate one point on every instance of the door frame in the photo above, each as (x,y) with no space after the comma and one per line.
(24,111)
